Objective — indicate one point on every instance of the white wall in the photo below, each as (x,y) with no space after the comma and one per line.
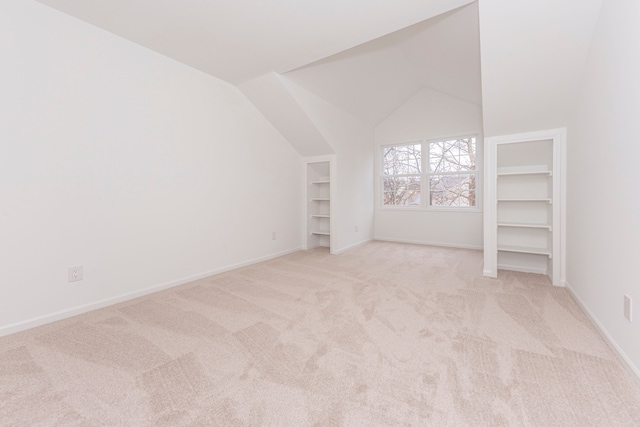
(271,96)
(603,207)
(351,139)
(429,114)
(141,169)
(533,52)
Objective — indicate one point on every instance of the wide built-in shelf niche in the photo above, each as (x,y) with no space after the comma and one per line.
(318,190)
(524,195)
(522,219)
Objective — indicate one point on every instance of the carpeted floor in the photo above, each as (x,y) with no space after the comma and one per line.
(386,334)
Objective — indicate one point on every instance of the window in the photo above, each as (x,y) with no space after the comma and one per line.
(402,174)
(431,174)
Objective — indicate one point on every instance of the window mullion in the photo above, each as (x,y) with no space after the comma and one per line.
(425,174)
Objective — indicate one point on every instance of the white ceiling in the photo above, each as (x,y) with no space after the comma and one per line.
(238,40)
(372,80)
(368,57)
(533,56)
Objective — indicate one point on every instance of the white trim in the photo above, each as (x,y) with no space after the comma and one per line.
(398,208)
(562,167)
(468,134)
(490,210)
(417,242)
(408,142)
(488,273)
(622,356)
(64,314)
(558,262)
(528,136)
(333,193)
(333,197)
(426,174)
(522,269)
(558,136)
(353,246)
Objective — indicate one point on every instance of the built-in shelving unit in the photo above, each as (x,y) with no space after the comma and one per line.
(524,250)
(524,173)
(319,208)
(522,225)
(524,204)
(549,201)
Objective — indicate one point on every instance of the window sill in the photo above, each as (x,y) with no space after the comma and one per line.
(421,209)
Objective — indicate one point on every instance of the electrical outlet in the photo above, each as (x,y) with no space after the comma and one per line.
(628,304)
(356,228)
(273,236)
(75,273)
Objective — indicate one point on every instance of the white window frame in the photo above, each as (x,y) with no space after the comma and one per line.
(420,175)
(425,175)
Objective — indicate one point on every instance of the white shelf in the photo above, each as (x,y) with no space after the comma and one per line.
(523,225)
(525,250)
(525,200)
(523,218)
(537,169)
(522,173)
(319,193)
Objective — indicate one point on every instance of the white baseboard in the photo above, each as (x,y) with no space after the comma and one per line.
(416,242)
(489,273)
(63,314)
(522,269)
(308,248)
(348,248)
(622,356)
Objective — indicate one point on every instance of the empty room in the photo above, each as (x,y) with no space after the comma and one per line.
(329,213)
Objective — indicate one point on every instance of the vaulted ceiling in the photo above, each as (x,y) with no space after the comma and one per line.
(533,55)
(241,40)
(372,80)
(520,60)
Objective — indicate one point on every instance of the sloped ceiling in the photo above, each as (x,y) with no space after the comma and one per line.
(271,96)
(372,80)
(533,54)
(369,57)
(240,40)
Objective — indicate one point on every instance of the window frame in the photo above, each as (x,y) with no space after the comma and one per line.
(420,175)
(425,175)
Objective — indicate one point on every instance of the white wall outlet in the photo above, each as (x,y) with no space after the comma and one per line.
(356,228)
(75,273)
(628,304)
(273,236)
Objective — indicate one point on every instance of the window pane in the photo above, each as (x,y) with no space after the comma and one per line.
(402,159)
(455,155)
(404,190)
(458,190)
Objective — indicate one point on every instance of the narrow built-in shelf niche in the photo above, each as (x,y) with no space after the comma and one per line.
(523,214)
(318,203)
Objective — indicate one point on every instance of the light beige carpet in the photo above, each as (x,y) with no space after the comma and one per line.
(386,334)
